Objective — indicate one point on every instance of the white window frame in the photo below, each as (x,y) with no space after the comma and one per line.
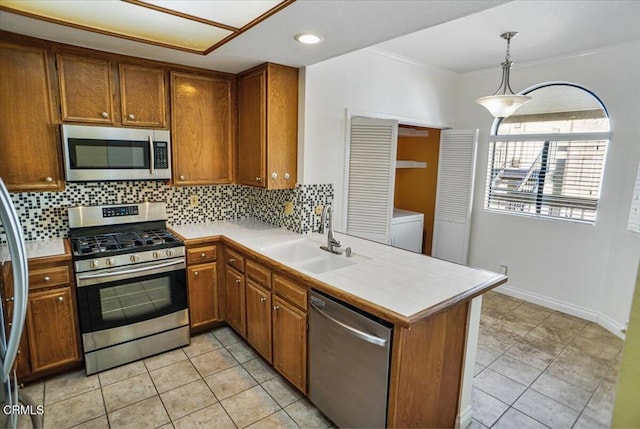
(549,139)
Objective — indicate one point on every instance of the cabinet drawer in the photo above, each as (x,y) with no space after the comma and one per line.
(259,274)
(288,289)
(235,260)
(201,254)
(50,276)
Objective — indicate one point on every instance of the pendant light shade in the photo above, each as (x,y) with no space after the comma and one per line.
(504,102)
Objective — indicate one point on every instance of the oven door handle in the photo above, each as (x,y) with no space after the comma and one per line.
(127,272)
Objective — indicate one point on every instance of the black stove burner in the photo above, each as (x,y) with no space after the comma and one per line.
(124,242)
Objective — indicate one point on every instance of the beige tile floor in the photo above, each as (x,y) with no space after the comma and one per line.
(215,382)
(539,368)
(535,368)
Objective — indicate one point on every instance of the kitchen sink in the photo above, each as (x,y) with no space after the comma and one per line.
(307,255)
(328,263)
(294,251)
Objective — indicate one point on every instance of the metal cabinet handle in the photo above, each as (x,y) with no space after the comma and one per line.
(203,255)
(263,299)
(258,179)
(238,281)
(46,278)
(276,307)
(131,116)
(231,260)
(104,115)
(181,177)
(196,273)
(287,176)
(60,298)
(274,175)
(48,179)
(9,299)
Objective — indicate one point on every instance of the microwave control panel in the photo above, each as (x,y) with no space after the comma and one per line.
(161,155)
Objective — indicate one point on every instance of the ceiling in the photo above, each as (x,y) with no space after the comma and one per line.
(459,35)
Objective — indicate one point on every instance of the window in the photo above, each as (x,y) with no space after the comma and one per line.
(547,160)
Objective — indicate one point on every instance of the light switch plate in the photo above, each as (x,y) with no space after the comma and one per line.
(193,200)
(318,210)
(288,208)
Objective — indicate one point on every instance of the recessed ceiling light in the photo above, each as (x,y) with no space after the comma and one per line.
(308,38)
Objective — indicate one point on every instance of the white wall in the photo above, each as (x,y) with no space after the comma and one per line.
(581,269)
(585,270)
(364,81)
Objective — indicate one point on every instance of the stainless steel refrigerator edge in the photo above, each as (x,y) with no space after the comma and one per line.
(9,395)
(349,356)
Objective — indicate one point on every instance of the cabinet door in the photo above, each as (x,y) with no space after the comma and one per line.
(290,342)
(29,145)
(252,129)
(85,89)
(142,96)
(201,111)
(259,319)
(282,126)
(203,295)
(52,329)
(236,301)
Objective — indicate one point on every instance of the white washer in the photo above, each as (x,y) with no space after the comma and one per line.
(406,230)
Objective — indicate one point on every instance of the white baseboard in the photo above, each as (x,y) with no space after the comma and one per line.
(605,321)
(464,418)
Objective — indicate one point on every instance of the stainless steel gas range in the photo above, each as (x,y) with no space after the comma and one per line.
(131,279)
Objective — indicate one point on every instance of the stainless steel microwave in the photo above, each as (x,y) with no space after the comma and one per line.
(112,153)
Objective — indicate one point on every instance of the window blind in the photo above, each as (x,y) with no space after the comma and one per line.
(546,177)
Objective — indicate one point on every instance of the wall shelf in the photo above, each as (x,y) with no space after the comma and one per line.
(410,164)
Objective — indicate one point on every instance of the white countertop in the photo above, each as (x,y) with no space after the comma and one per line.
(36,249)
(397,280)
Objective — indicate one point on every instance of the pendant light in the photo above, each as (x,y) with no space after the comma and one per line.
(504,102)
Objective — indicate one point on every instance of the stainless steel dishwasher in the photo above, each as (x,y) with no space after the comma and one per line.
(349,354)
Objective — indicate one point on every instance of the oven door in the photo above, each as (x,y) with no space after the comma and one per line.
(114,298)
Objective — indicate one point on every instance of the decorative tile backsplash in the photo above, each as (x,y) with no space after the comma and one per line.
(44,214)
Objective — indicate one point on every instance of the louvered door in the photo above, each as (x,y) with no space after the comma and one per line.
(454,197)
(371,178)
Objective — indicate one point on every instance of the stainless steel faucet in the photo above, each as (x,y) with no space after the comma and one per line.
(332,243)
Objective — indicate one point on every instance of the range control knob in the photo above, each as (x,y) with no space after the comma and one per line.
(111,262)
(94,264)
(134,258)
(170,252)
(156,255)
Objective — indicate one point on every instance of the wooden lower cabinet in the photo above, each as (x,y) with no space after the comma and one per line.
(235,294)
(203,295)
(290,342)
(259,319)
(51,325)
(51,339)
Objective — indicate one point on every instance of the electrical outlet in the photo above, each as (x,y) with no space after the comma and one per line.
(288,208)
(504,269)
(319,209)
(193,200)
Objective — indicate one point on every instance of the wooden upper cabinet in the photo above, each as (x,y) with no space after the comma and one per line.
(29,143)
(85,89)
(202,129)
(142,96)
(268,127)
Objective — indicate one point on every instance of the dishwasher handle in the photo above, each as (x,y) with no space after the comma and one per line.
(356,332)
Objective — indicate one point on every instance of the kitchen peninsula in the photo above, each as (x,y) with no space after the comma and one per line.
(426,299)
